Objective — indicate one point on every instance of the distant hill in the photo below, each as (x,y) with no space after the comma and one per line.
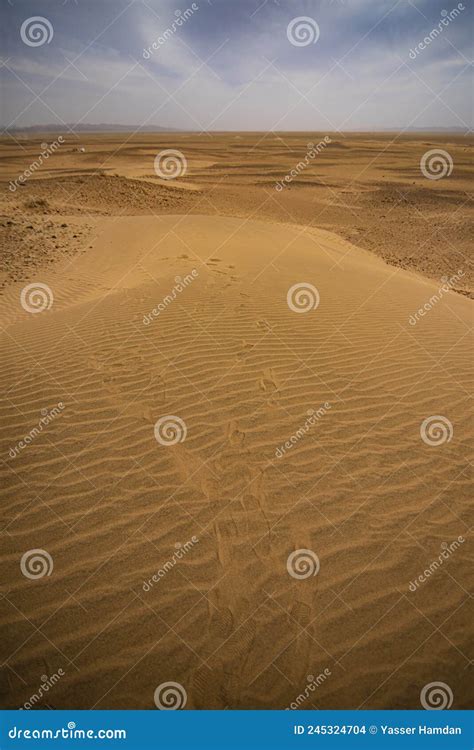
(91,128)
(115,128)
(429,129)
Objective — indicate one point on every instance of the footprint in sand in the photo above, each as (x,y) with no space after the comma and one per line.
(267,382)
(238,651)
(245,348)
(301,612)
(188,465)
(211,262)
(222,622)
(207,692)
(264,325)
(234,435)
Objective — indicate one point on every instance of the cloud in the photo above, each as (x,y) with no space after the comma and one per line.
(231,66)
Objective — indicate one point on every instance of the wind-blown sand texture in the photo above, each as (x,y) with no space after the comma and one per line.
(228,356)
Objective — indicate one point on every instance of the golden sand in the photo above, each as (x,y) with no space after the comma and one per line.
(294,430)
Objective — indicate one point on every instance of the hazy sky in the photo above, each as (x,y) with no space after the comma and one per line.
(231,65)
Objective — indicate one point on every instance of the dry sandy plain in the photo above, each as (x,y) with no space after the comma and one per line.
(375,495)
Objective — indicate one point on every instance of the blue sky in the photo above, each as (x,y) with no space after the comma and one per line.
(231,65)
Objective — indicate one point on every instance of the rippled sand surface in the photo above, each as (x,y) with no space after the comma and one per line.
(249,455)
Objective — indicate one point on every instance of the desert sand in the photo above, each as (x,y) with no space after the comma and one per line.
(298,423)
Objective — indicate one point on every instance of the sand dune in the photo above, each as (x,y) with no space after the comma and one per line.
(301,431)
